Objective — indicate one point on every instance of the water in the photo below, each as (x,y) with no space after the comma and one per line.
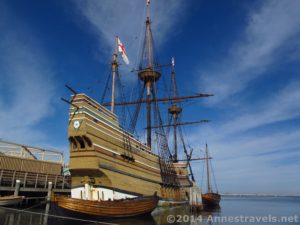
(233,210)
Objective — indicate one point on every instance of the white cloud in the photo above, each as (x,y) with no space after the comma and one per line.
(126,19)
(284,105)
(248,159)
(272,30)
(27,84)
(256,164)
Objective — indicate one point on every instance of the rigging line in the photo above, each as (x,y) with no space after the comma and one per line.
(156,59)
(211,167)
(162,162)
(165,86)
(91,88)
(143,52)
(169,127)
(141,30)
(134,89)
(126,136)
(158,133)
(106,87)
(189,156)
(158,114)
(184,134)
(185,151)
(182,140)
(133,121)
(34,206)
(170,174)
(141,40)
(202,177)
(121,95)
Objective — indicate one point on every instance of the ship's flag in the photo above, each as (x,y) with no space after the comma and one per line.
(121,49)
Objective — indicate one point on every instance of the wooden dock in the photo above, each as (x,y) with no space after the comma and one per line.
(30,170)
(33,182)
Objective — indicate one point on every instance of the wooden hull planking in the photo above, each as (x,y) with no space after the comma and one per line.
(211,199)
(109,209)
(98,154)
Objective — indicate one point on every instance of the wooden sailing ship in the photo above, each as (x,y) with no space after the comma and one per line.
(209,199)
(107,162)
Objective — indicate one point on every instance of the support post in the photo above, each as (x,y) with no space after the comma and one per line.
(36,180)
(46,179)
(25,179)
(55,182)
(1,174)
(49,191)
(13,179)
(63,182)
(17,188)
(87,190)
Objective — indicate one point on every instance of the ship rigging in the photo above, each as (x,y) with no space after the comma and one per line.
(107,160)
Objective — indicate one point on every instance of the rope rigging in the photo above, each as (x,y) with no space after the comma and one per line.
(168,172)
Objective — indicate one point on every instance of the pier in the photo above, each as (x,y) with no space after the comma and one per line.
(32,182)
(31,171)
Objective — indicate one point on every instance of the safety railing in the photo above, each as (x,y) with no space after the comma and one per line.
(33,180)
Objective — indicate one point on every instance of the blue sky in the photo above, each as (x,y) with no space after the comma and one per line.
(245,52)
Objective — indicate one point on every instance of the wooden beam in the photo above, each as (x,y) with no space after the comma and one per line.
(195,159)
(180,124)
(161,99)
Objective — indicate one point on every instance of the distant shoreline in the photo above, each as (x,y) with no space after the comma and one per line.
(259,195)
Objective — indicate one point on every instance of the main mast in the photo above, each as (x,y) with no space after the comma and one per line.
(147,72)
(207,169)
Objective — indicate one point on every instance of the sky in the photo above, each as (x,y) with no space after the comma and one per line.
(247,53)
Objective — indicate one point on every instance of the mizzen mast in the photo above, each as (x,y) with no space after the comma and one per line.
(174,110)
(207,169)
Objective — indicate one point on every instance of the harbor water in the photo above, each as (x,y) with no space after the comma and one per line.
(233,210)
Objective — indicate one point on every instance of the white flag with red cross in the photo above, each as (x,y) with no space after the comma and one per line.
(121,49)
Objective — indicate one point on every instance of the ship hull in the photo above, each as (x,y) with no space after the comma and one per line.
(211,199)
(106,162)
(88,209)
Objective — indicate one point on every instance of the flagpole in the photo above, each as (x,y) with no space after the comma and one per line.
(114,69)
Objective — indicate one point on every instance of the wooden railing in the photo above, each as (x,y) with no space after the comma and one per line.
(33,180)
